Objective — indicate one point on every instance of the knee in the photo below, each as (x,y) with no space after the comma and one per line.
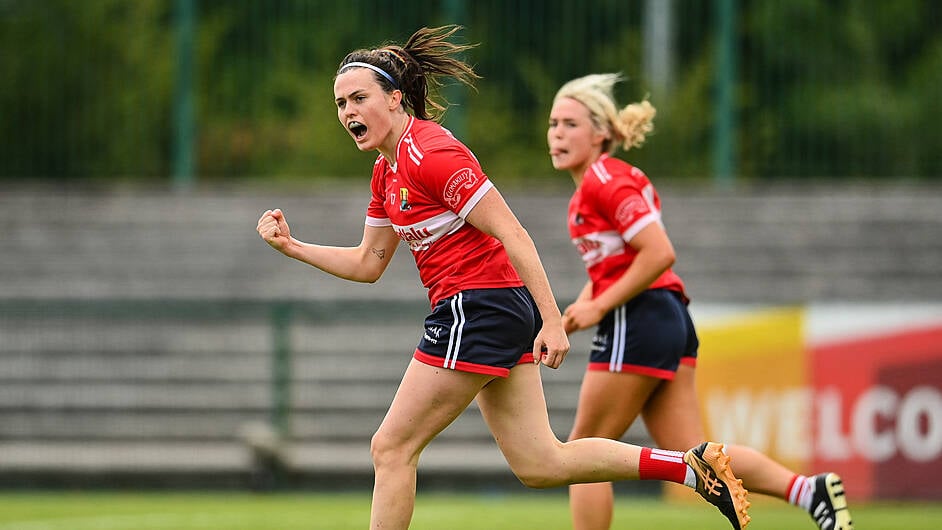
(384,451)
(381,448)
(537,476)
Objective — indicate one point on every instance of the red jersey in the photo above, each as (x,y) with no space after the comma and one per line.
(426,196)
(614,202)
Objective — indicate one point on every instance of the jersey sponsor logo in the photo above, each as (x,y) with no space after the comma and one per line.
(411,235)
(587,245)
(630,210)
(597,246)
(422,234)
(463,179)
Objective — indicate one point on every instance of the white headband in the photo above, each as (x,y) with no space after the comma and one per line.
(376,69)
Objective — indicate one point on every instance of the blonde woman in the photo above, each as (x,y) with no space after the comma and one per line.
(644,352)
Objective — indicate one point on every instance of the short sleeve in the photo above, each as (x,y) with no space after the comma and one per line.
(454,177)
(628,208)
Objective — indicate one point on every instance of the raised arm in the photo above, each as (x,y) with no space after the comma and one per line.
(363,263)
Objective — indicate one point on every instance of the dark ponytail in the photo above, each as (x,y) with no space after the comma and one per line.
(417,68)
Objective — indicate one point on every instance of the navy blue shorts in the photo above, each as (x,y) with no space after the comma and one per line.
(485,331)
(650,335)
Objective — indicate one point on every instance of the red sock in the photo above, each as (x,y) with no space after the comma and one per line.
(658,464)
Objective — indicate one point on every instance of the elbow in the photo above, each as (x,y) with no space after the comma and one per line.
(512,234)
(365,277)
(667,259)
(369,274)
(361,279)
(670,259)
(361,275)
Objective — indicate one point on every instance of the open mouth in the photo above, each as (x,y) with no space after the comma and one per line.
(357,128)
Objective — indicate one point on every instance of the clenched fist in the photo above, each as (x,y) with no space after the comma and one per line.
(273,228)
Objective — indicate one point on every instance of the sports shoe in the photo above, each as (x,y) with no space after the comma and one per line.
(717,484)
(828,503)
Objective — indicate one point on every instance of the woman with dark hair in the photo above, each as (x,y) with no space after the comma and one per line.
(493,315)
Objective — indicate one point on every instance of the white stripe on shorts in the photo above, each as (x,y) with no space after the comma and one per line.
(454,340)
(619,332)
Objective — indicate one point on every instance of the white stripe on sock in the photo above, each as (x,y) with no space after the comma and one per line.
(667,456)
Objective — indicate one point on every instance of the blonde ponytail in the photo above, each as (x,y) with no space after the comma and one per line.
(634,123)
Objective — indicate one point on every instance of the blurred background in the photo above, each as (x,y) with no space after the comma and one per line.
(148,338)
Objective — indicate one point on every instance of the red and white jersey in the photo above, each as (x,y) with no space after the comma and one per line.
(426,196)
(614,202)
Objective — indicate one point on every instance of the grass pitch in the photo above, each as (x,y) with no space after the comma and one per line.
(319,511)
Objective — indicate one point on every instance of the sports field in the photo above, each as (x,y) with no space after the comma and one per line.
(318,511)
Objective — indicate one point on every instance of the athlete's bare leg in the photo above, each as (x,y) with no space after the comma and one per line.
(672,416)
(428,400)
(515,410)
(592,505)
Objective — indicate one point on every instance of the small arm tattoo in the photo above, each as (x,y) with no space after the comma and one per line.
(379,252)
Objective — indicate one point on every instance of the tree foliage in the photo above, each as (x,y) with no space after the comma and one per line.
(824,88)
